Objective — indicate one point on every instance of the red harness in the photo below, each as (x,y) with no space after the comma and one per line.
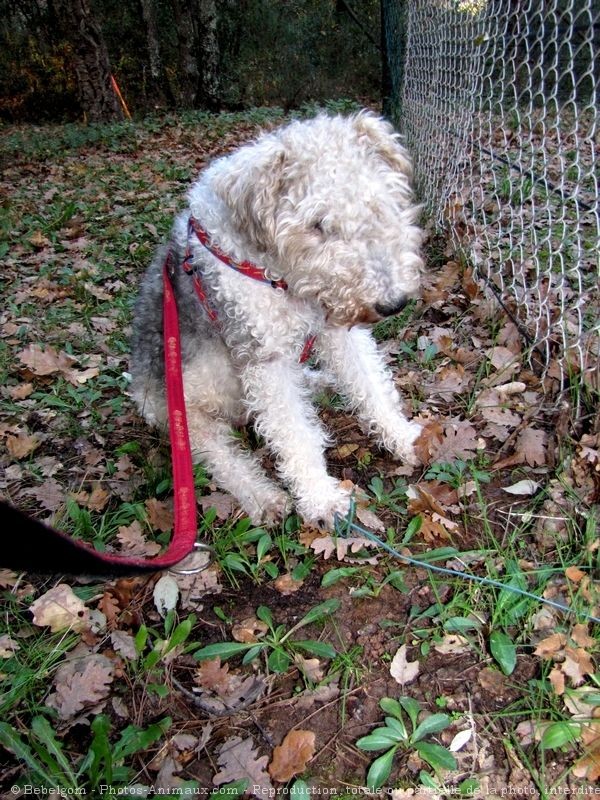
(247,268)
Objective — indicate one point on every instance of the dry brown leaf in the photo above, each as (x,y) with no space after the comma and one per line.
(402,670)
(111,608)
(580,635)
(310,667)
(577,664)
(123,643)
(588,766)
(213,676)
(557,679)
(238,760)
(83,683)
(574,574)
(492,406)
(8,646)
(223,503)
(50,494)
(531,444)
(132,539)
(21,391)
(286,584)
(160,514)
(249,630)
(292,755)
(21,445)
(460,441)
(45,361)
(343,547)
(551,645)
(60,608)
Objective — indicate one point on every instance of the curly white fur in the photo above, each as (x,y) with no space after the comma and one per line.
(327,205)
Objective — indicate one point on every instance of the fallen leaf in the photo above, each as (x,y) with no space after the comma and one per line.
(83,683)
(213,676)
(551,646)
(160,514)
(45,361)
(580,635)
(8,646)
(132,540)
(574,574)
(524,487)
(311,668)
(460,740)
(21,445)
(21,391)
(123,643)
(286,584)
(249,630)
(292,755)
(557,680)
(402,670)
(165,595)
(577,664)
(238,760)
(60,608)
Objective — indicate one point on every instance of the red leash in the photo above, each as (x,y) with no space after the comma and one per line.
(32,546)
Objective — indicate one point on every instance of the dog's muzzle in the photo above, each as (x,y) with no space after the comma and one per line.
(389,309)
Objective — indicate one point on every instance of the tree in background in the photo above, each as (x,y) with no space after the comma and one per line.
(183,54)
(90,60)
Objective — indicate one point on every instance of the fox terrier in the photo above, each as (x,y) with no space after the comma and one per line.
(295,242)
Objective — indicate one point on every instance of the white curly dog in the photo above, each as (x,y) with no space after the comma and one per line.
(303,237)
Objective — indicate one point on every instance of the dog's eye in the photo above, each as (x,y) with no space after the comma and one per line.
(318,226)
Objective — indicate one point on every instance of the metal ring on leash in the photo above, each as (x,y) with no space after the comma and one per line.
(200,546)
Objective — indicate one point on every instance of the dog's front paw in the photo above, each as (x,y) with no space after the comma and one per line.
(270,509)
(404,445)
(323,508)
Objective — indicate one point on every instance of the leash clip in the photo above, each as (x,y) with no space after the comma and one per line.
(199,547)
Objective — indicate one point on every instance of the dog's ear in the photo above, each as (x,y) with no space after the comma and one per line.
(382,138)
(251,186)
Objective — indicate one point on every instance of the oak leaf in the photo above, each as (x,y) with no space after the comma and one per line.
(292,755)
(160,514)
(238,760)
(21,445)
(83,683)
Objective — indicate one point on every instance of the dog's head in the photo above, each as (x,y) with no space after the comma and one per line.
(328,205)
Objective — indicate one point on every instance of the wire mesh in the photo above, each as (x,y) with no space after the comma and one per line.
(499,108)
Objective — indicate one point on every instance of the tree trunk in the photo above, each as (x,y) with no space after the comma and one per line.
(208,46)
(90,58)
(393,42)
(159,85)
(187,38)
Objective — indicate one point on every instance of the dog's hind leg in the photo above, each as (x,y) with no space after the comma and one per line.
(234,469)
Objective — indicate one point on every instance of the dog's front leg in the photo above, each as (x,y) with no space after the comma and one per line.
(366,382)
(280,405)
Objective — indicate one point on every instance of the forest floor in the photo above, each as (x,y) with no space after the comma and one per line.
(298,662)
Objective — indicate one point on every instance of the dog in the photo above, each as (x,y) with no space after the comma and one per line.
(297,241)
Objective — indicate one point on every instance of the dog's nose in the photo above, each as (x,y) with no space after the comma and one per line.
(389,309)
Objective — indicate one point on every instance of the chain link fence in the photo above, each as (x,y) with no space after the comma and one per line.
(499,108)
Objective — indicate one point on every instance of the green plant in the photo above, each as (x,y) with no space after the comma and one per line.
(49,765)
(241,548)
(402,731)
(175,636)
(457,473)
(276,641)
(389,498)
